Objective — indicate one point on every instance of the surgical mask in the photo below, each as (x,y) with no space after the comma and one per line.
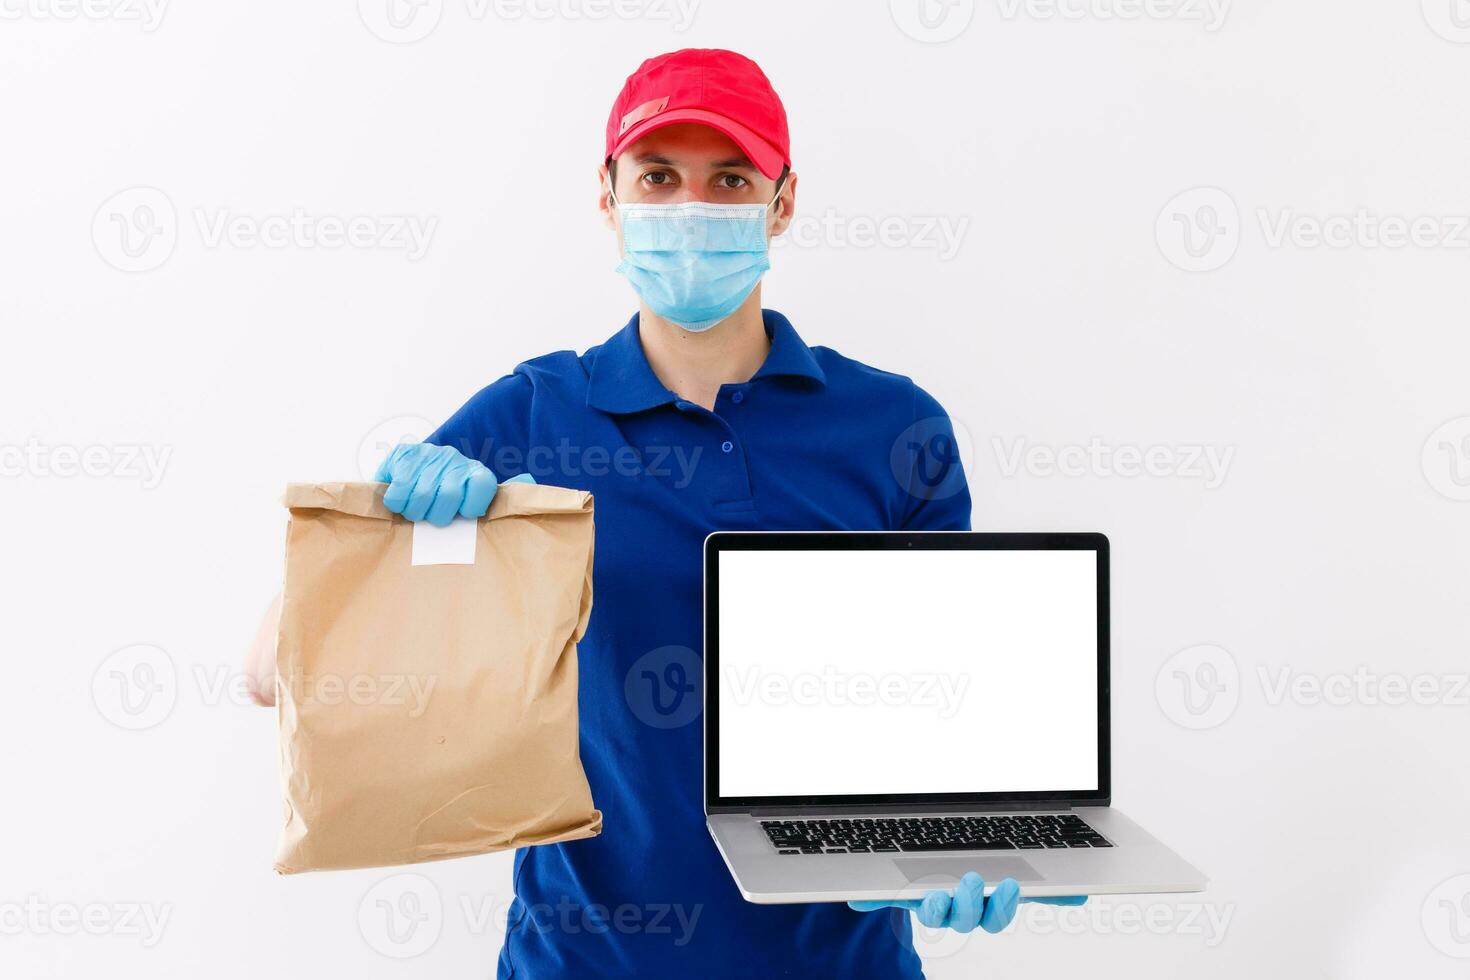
(694,263)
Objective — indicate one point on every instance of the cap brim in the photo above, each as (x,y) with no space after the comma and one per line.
(767,159)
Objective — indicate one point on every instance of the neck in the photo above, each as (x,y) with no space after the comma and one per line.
(695,365)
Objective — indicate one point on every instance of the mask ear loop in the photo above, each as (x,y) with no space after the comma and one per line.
(780,186)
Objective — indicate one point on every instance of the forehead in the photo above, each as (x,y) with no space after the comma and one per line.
(688,144)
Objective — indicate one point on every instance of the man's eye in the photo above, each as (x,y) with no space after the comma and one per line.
(657,178)
(732,182)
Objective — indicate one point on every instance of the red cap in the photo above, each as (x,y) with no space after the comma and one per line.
(720,89)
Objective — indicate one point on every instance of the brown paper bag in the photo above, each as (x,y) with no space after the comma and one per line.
(429,710)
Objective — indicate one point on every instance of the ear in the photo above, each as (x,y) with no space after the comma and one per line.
(785,207)
(605,206)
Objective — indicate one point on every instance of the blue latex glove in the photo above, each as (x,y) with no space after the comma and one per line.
(437,483)
(967,907)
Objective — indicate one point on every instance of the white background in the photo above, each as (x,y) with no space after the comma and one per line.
(846,672)
(1333,832)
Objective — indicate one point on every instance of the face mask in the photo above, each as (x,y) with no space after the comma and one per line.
(694,263)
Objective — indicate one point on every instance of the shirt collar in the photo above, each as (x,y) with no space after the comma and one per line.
(622,382)
(789,355)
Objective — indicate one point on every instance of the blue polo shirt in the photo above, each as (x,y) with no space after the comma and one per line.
(814,441)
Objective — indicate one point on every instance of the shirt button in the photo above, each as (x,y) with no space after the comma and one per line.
(727,446)
(738,397)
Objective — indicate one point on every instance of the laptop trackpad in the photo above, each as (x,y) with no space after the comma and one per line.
(940,870)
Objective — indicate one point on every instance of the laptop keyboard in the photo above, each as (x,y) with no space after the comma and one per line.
(866,835)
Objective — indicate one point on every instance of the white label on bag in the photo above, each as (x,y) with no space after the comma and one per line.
(452,545)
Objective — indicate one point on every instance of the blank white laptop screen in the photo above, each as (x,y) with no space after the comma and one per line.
(859,672)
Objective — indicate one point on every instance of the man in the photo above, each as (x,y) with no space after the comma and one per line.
(704,413)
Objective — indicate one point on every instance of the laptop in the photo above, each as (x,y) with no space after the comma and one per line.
(885,711)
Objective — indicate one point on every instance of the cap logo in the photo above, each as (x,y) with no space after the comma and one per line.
(639,113)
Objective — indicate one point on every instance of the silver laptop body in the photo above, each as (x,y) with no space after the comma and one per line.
(885,711)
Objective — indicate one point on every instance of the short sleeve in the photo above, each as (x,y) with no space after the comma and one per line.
(493,426)
(937,496)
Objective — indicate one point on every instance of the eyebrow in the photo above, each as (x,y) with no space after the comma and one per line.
(734,163)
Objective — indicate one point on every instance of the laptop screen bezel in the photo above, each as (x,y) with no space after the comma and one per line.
(722,541)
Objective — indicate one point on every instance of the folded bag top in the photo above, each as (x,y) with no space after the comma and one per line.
(428,709)
(366,500)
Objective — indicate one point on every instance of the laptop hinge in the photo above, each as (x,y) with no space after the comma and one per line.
(776,811)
